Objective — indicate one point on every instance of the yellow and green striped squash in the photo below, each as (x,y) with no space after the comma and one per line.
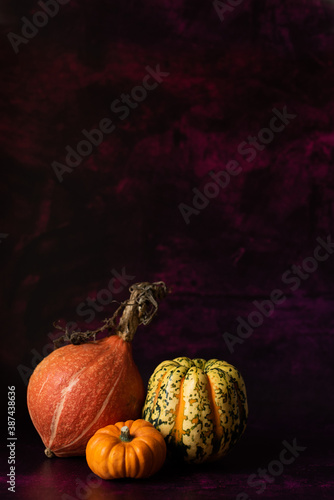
(199,406)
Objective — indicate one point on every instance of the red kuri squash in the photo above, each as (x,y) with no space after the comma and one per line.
(77,389)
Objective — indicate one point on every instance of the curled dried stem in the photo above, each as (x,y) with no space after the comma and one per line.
(139,309)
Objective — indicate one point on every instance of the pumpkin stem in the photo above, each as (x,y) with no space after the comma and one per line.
(125,434)
(139,309)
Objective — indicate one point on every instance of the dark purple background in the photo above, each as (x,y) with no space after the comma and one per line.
(119,208)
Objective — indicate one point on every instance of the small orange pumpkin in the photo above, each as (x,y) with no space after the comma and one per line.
(134,448)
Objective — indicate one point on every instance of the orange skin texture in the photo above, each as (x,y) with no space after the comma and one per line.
(111,458)
(77,389)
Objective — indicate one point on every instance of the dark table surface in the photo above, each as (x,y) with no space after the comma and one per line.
(308,477)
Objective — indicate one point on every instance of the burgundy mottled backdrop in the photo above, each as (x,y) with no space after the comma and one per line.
(225,70)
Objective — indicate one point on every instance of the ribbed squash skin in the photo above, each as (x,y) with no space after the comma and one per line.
(199,406)
(77,389)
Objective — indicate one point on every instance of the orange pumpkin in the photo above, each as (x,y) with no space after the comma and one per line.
(134,448)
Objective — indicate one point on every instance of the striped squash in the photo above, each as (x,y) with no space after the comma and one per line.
(199,406)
